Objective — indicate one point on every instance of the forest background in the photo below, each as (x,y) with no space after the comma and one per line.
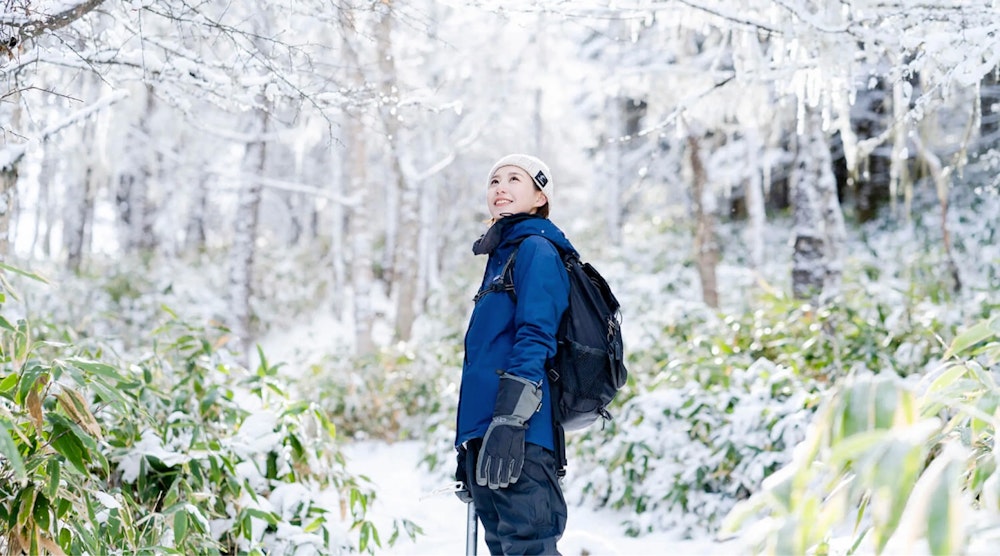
(234,235)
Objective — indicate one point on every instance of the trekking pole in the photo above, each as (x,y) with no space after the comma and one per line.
(471,531)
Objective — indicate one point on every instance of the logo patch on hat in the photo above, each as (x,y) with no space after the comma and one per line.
(541,179)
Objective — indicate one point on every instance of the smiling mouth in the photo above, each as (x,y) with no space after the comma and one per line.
(500,202)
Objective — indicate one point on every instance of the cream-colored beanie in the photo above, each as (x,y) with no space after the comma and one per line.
(535,168)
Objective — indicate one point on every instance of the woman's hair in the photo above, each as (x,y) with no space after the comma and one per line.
(543,210)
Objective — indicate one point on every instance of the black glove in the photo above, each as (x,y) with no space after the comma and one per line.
(502,455)
(462,477)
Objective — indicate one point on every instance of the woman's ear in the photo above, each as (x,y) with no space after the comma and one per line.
(540,199)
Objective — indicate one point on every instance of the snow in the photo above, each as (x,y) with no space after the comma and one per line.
(404,490)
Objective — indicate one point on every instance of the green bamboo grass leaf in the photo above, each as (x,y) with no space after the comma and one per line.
(67,443)
(852,409)
(860,532)
(270,517)
(897,473)
(85,439)
(98,368)
(29,378)
(24,503)
(180,526)
(8,383)
(972,336)
(983,428)
(947,378)
(42,512)
(945,533)
(53,470)
(887,397)
(853,447)
(24,273)
(10,451)
(22,342)
(985,378)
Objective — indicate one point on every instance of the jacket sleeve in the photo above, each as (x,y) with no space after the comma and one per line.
(542,288)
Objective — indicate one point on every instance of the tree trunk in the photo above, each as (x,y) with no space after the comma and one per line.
(612,186)
(756,212)
(244,242)
(338,217)
(8,174)
(706,247)
(77,215)
(359,217)
(195,236)
(819,223)
(361,242)
(78,212)
(405,268)
(900,181)
(136,211)
(8,181)
(989,107)
(942,187)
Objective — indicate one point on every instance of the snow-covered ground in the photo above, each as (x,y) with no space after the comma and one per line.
(404,491)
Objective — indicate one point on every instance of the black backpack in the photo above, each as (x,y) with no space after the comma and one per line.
(589,366)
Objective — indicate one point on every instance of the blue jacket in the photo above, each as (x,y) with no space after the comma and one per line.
(516,338)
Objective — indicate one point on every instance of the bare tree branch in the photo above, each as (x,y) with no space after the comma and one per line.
(27,30)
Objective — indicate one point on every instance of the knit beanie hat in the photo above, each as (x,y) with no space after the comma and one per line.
(535,168)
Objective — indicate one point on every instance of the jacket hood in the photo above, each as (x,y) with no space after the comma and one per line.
(514,229)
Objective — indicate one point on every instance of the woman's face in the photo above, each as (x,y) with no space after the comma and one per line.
(511,191)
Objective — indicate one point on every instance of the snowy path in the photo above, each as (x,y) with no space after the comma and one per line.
(401,490)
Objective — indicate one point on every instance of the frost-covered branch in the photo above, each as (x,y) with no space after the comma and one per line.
(732,17)
(28,28)
(248,179)
(11,155)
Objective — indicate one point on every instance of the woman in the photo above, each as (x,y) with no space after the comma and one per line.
(505,434)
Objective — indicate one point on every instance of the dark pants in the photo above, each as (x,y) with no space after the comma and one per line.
(527,517)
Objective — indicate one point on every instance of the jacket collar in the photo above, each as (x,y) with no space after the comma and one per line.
(489,241)
(512,229)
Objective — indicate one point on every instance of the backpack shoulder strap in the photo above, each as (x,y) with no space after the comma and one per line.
(507,275)
(505,281)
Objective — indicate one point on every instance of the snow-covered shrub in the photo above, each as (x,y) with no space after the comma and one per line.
(680,456)
(715,403)
(402,391)
(895,466)
(180,451)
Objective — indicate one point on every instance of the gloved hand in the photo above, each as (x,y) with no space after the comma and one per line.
(502,455)
(462,477)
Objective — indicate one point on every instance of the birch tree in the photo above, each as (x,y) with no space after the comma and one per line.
(135,182)
(244,247)
(78,206)
(818,222)
(8,179)
(405,212)
(355,177)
